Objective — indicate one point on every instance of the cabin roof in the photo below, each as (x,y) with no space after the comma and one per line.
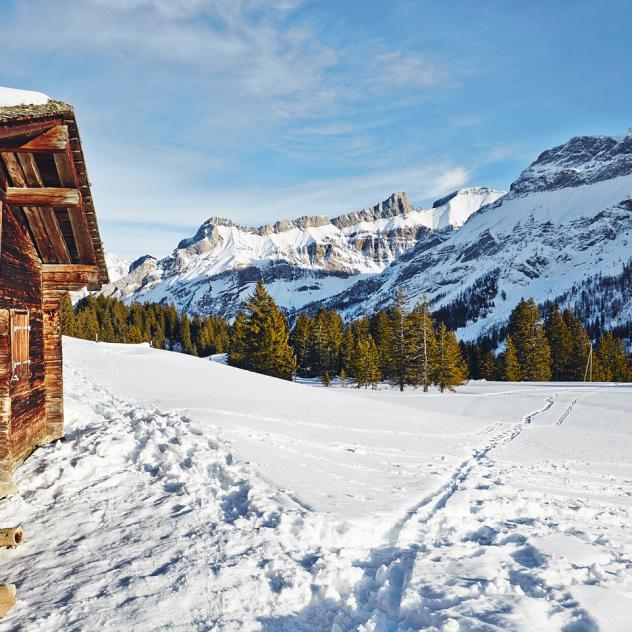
(33,110)
(63,233)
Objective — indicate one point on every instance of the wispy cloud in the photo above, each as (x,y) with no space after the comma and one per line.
(174,94)
(397,68)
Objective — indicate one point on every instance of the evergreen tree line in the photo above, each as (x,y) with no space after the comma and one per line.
(554,346)
(400,345)
(110,320)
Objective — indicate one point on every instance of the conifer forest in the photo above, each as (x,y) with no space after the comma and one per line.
(404,345)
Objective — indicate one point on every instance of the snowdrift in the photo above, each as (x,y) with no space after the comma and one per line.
(191,495)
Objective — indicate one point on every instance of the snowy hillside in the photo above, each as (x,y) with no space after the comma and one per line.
(564,231)
(303,260)
(189,495)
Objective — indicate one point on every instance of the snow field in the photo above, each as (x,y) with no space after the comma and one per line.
(189,495)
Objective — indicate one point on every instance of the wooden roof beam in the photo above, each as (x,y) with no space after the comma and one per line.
(32,214)
(44,196)
(46,213)
(72,277)
(68,178)
(53,140)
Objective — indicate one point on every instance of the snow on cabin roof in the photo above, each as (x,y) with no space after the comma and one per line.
(17,104)
(11,97)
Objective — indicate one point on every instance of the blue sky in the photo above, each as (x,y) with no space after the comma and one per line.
(263,110)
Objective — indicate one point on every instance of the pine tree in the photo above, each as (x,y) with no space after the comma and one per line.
(381,331)
(532,347)
(579,347)
(615,362)
(450,369)
(67,314)
(509,365)
(489,367)
(185,335)
(348,351)
(343,378)
(422,346)
(87,325)
(399,351)
(367,363)
(300,341)
(238,340)
(134,335)
(265,336)
(559,339)
(318,360)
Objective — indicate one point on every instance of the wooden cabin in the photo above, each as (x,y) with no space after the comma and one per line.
(49,245)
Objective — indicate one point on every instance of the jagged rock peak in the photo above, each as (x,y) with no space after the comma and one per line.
(137,263)
(581,160)
(396,204)
(207,228)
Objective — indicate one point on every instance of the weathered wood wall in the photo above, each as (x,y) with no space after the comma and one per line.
(54,380)
(24,427)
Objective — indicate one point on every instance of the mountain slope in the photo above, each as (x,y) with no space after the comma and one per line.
(566,220)
(301,261)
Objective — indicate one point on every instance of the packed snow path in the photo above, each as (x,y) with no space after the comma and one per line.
(214,499)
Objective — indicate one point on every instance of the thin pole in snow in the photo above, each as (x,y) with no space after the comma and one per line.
(589,364)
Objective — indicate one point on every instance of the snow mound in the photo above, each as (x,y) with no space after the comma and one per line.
(11,97)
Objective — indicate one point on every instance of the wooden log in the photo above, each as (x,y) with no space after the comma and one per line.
(46,196)
(70,278)
(65,169)
(46,213)
(14,170)
(53,140)
(7,599)
(31,129)
(11,536)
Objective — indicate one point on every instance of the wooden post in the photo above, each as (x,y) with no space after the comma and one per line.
(7,598)
(54,370)
(11,537)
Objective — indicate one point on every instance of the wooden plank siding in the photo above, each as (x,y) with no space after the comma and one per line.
(54,371)
(49,245)
(25,398)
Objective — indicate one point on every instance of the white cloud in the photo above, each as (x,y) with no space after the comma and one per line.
(171,92)
(449,180)
(398,68)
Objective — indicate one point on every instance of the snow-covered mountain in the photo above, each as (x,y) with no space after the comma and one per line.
(117,268)
(563,232)
(304,260)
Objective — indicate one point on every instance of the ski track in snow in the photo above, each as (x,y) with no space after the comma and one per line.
(238,554)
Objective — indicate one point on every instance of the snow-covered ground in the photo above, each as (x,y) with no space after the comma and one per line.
(189,495)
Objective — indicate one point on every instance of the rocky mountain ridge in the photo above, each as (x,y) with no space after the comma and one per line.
(565,226)
(307,259)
